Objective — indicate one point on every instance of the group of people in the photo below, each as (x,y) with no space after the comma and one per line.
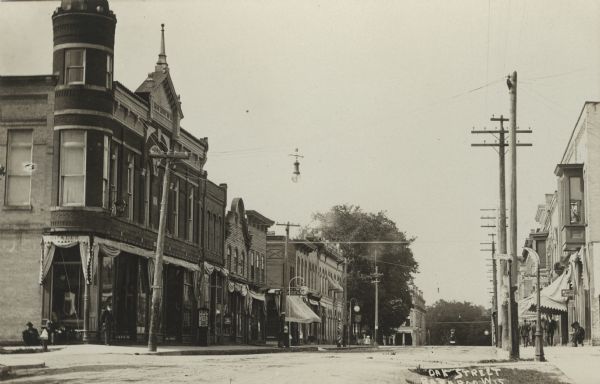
(33,337)
(527,330)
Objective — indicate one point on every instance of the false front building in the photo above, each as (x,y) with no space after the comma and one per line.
(100,204)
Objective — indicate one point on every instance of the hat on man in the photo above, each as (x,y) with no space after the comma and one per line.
(29,324)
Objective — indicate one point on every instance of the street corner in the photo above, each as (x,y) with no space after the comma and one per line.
(488,374)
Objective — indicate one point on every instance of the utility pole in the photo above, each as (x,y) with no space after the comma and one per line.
(376,281)
(494,287)
(504,318)
(285,335)
(512,147)
(157,283)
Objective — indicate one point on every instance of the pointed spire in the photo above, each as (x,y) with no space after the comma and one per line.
(161,64)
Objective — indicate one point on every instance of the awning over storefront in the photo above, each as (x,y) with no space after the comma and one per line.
(300,312)
(551,298)
(256,295)
(334,286)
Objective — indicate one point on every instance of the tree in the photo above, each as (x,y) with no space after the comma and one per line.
(468,320)
(395,262)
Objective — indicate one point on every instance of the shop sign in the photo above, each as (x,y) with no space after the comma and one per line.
(567,292)
(203,317)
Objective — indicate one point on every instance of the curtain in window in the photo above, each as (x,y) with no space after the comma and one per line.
(19,166)
(72,165)
(49,244)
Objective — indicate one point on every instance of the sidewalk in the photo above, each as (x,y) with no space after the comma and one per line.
(21,357)
(578,363)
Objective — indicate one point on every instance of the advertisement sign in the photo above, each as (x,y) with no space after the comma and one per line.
(203,317)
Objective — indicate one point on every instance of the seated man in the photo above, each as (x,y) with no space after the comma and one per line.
(31,335)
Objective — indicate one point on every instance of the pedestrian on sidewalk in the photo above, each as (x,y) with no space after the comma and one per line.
(44,339)
(107,320)
(31,335)
(578,334)
(532,329)
(550,331)
(525,333)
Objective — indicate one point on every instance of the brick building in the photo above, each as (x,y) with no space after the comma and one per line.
(569,232)
(316,279)
(26,150)
(97,208)
(245,249)
(413,331)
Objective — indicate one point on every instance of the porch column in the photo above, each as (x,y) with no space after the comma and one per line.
(86,313)
(86,290)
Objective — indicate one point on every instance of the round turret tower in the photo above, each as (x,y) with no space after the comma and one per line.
(84,39)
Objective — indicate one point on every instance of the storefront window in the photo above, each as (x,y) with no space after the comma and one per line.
(107,280)
(143,294)
(67,289)
(188,294)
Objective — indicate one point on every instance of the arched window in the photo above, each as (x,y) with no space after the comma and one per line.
(229,258)
(243,273)
(236,261)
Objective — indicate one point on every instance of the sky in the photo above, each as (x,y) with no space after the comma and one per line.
(378,96)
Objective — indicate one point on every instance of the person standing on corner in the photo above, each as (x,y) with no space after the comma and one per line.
(106,320)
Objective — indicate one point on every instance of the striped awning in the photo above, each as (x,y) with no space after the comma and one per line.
(299,312)
(334,285)
(551,298)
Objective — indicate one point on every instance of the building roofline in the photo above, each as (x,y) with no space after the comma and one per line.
(51,79)
(265,220)
(585,104)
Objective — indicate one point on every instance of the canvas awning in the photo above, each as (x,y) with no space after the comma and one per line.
(299,312)
(334,286)
(551,298)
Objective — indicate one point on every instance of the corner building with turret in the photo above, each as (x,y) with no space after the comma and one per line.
(81,197)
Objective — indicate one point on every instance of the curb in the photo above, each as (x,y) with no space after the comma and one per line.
(253,351)
(7,370)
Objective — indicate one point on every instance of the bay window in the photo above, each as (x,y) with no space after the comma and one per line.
(72,168)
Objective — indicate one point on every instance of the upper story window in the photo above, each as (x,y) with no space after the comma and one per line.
(229,258)
(19,167)
(190,216)
(75,66)
(161,111)
(236,261)
(109,71)
(575,200)
(72,168)
(105,172)
(130,184)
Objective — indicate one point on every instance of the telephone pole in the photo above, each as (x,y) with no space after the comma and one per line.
(494,286)
(375,276)
(505,318)
(511,81)
(285,335)
(157,283)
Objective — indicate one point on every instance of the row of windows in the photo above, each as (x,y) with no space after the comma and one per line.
(184,213)
(75,67)
(308,273)
(252,268)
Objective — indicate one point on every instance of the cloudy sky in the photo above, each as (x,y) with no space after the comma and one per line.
(379,96)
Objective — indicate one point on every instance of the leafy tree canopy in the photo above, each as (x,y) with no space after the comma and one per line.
(395,262)
(470,323)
